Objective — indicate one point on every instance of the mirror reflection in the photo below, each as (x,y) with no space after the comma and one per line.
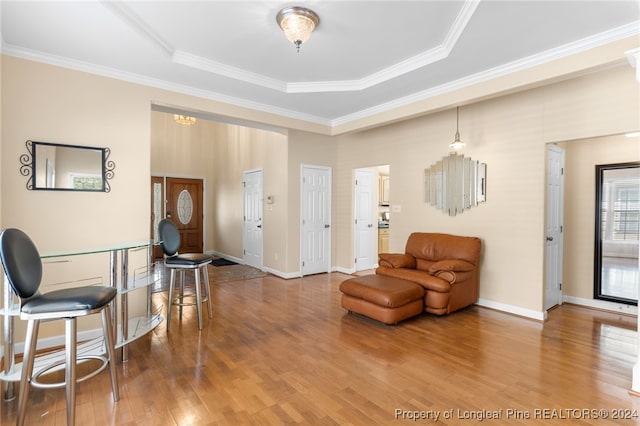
(67,167)
(617,236)
(455,183)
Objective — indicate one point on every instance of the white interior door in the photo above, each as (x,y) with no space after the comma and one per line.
(554,220)
(364,220)
(315,211)
(252,225)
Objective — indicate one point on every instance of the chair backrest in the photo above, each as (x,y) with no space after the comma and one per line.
(21,262)
(169,237)
(433,247)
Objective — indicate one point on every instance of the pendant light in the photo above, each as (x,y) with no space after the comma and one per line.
(457,143)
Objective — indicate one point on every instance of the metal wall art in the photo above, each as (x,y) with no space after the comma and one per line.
(455,183)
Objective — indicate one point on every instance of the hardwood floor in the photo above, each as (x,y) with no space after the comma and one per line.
(285,352)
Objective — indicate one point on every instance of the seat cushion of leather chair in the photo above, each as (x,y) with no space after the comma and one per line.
(382,290)
(188,259)
(69,300)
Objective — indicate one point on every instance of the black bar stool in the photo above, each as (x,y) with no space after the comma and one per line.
(197,262)
(23,268)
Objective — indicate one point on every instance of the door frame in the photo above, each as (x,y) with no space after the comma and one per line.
(328,249)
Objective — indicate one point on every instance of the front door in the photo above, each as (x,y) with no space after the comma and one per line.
(315,232)
(252,224)
(184,207)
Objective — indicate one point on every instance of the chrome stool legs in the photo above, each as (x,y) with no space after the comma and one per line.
(71,359)
(180,299)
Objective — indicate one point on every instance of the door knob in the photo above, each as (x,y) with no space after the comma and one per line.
(326,226)
(549,238)
(259,226)
(370,225)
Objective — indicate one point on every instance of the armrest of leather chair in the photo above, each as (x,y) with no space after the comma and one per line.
(449,270)
(397,260)
(417,276)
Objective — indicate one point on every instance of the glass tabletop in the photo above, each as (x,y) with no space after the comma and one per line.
(98,249)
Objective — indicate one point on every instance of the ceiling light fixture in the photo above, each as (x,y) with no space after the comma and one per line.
(184,119)
(297,23)
(457,143)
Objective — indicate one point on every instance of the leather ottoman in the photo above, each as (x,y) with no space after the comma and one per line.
(386,299)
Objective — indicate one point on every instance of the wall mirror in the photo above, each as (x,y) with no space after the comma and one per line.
(455,183)
(617,236)
(60,167)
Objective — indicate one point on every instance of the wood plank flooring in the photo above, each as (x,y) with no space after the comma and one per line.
(285,352)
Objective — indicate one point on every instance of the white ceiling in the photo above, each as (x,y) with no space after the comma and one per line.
(365,57)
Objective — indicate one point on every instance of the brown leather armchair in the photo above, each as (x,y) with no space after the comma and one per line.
(447,266)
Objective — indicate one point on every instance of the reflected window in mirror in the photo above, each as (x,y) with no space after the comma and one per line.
(63,167)
(617,236)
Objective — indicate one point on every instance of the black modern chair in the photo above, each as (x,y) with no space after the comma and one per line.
(170,242)
(23,269)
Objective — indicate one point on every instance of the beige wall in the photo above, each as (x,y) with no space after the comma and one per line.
(43,102)
(239,149)
(220,153)
(510,135)
(311,150)
(581,157)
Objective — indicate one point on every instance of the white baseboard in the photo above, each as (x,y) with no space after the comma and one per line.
(515,310)
(347,271)
(225,256)
(283,275)
(602,304)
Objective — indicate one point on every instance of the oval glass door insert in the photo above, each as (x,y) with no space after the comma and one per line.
(185,207)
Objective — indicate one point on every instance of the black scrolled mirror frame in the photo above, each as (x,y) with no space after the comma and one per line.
(28,163)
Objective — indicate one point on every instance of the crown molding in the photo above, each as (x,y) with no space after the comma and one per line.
(127,15)
(198,62)
(616,34)
(63,62)
(203,64)
(550,55)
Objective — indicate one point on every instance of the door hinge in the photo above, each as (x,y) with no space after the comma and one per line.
(562,171)
(561,228)
(355,260)
(303,263)
(356,221)
(356,182)
(560,286)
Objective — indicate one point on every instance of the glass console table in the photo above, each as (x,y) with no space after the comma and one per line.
(127,329)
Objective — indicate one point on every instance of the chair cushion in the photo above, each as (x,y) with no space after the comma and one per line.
(188,259)
(69,299)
